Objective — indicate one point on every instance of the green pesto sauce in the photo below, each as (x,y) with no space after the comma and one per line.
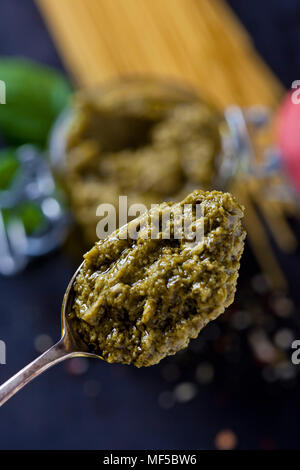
(149,145)
(139,300)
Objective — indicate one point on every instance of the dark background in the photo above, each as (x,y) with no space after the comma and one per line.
(110,406)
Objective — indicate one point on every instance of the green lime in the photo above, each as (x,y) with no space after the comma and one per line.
(9,165)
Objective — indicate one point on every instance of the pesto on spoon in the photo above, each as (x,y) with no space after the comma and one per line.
(139,300)
(141,295)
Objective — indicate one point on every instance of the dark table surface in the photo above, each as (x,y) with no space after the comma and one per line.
(82,404)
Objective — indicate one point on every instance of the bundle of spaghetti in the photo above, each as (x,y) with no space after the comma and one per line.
(258,237)
(197,42)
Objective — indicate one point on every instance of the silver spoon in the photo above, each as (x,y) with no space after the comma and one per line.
(70,345)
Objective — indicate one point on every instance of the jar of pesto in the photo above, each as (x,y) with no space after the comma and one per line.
(147,139)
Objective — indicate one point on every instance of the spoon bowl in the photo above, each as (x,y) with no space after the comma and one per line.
(70,345)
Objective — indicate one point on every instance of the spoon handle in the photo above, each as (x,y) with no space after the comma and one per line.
(52,356)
